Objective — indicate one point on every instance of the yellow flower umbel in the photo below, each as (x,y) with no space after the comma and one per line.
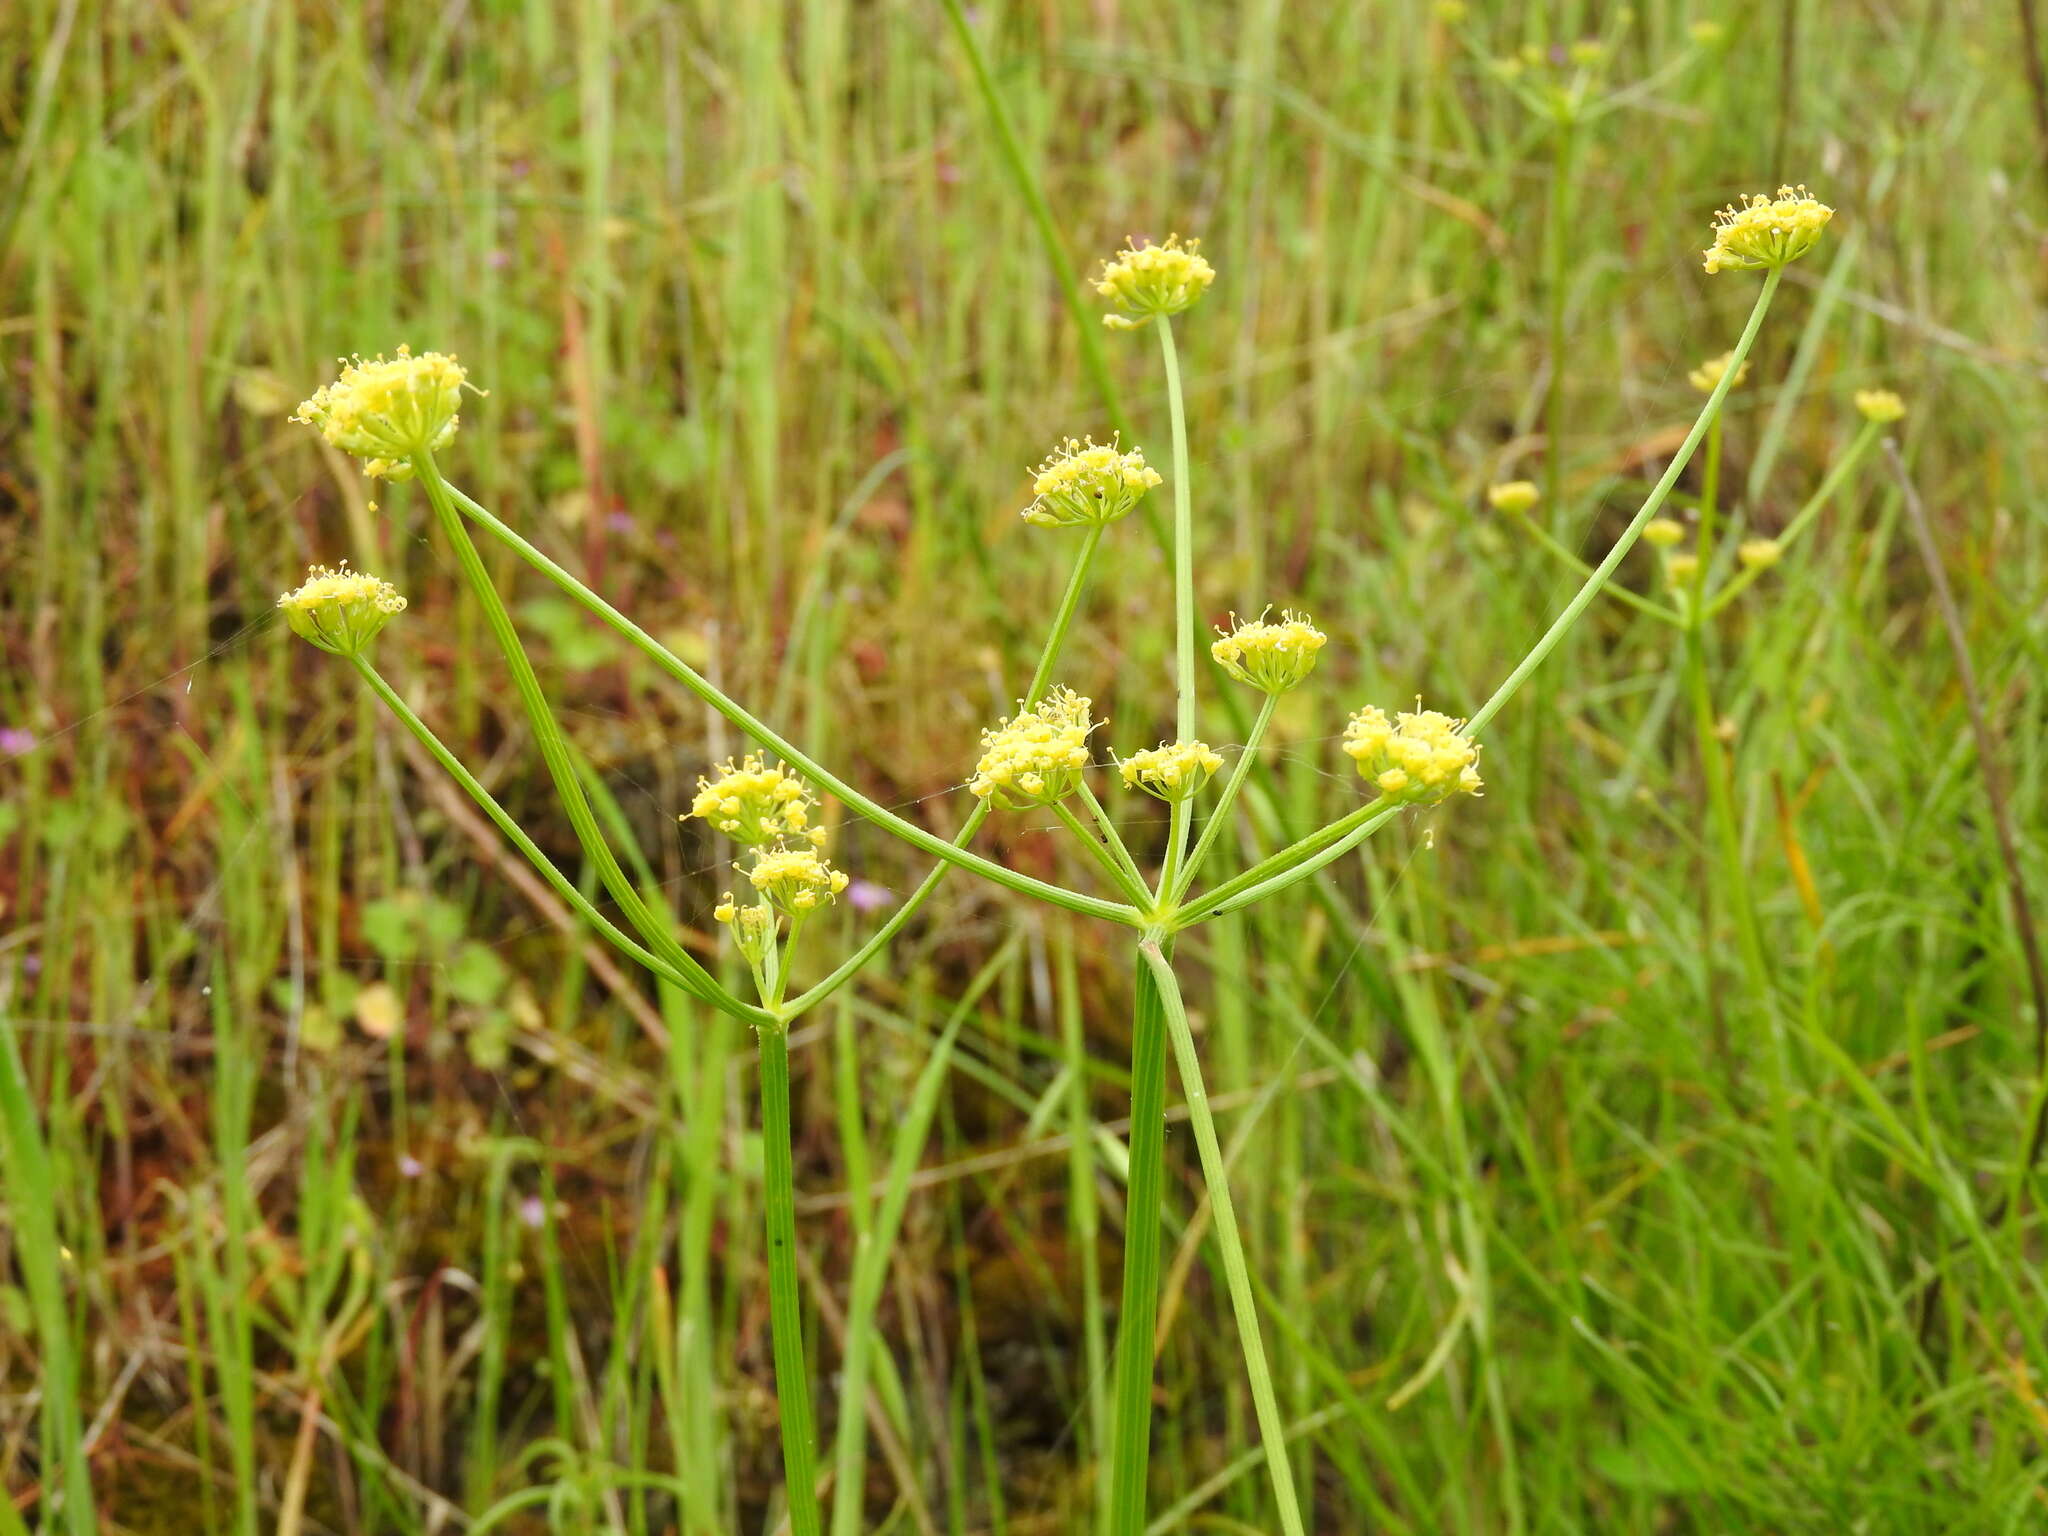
(1035,757)
(1148,280)
(795,881)
(757,803)
(1760,232)
(1663,531)
(1173,771)
(1708,374)
(1513,497)
(1088,483)
(341,610)
(1759,554)
(385,411)
(1271,657)
(1880,405)
(1418,757)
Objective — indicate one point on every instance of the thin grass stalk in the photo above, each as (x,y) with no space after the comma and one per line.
(1556,257)
(1223,1221)
(871,1265)
(31,1187)
(1012,148)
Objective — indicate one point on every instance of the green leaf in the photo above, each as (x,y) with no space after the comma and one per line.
(476,975)
(408,926)
(575,640)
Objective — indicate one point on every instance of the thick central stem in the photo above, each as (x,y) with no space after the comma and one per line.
(785,1306)
(1131,1440)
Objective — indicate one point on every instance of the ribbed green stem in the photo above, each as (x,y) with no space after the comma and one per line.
(554,750)
(1223,1221)
(1340,837)
(1183,542)
(560,883)
(1220,816)
(1070,602)
(1253,883)
(1048,659)
(1320,848)
(1111,838)
(1178,815)
(682,672)
(1131,1441)
(1561,626)
(1641,604)
(785,1303)
(1104,857)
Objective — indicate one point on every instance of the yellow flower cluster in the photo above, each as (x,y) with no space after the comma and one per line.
(1759,231)
(385,411)
(1148,280)
(1759,554)
(1418,757)
(1513,496)
(1035,757)
(1681,569)
(1084,483)
(1271,657)
(757,803)
(1663,531)
(340,610)
(1880,405)
(1708,374)
(795,880)
(1172,770)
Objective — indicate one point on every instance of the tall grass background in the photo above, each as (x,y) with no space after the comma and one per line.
(349,1187)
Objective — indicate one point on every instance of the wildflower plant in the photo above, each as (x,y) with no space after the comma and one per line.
(398,416)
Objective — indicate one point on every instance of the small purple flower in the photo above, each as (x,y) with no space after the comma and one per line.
(533,1213)
(621,522)
(410,1167)
(15,740)
(867,896)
